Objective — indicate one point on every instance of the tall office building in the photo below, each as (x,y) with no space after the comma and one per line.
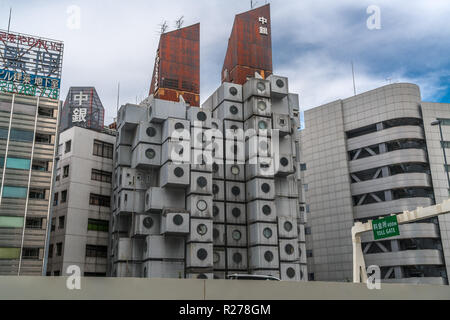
(29,105)
(194,196)
(370,156)
(81,207)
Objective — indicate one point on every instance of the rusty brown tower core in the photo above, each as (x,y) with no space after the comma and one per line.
(249,47)
(177,66)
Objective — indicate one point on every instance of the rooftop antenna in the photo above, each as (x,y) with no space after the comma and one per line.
(118,98)
(9,21)
(163,27)
(179,22)
(389,80)
(354,85)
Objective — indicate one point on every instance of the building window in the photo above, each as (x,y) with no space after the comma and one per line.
(30,253)
(68,146)
(309,253)
(307,208)
(311,276)
(64,196)
(50,251)
(57,177)
(103,149)
(103,176)
(95,274)
(302,166)
(65,172)
(55,199)
(56,273)
(98,225)
(59,249)
(99,200)
(39,165)
(43,138)
(307,230)
(15,192)
(38,194)
(61,221)
(444,122)
(45,112)
(96,251)
(53,226)
(34,223)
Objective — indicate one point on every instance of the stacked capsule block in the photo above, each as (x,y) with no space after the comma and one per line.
(256,206)
(162,225)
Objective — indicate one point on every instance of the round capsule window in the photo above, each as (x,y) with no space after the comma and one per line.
(262,106)
(216,233)
(284,162)
(151,132)
(233,91)
(215,167)
(179,126)
(202,229)
(202,205)
(290,272)
(236,191)
(280,83)
(202,182)
(179,149)
(265,187)
(267,210)
(237,235)
(261,86)
(148,222)
(214,125)
(288,226)
(262,125)
(202,254)
(268,255)
(237,257)
(178,220)
(178,172)
(150,154)
(289,249)
(215,189)
(216,257)
(234,110)
(235,170)
(201,116)
(267,233)
(215,211)
(236,212)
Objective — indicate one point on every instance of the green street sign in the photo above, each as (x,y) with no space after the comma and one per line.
(385,228)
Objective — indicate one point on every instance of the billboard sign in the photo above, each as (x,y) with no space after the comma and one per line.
(30,65)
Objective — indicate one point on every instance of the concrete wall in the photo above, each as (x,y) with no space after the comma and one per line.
(46,288)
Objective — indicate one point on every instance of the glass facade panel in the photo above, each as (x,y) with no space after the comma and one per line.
(15,192)
(18,163)
(21,135)
(9,253)
(11,222)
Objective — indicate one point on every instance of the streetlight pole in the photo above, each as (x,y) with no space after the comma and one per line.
(439,123)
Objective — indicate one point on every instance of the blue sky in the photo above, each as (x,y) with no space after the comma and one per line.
(314,42)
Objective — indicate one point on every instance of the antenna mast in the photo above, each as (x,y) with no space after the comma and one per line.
(9,21)
(163,27)
(179,22)
(354,85)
